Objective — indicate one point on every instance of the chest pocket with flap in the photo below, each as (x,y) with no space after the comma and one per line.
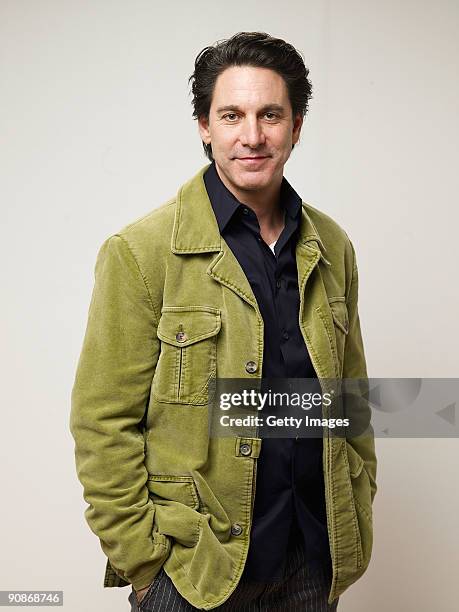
(188,354)
(341,325)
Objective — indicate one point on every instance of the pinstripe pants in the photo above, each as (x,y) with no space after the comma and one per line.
(301,589)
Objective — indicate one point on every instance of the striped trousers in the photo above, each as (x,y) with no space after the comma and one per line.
(302,588)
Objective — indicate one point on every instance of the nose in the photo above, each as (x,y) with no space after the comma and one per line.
(252,134)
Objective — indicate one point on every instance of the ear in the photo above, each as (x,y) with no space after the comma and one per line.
(297,125)
(203,125)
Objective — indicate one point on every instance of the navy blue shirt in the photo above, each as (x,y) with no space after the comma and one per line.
(290,494)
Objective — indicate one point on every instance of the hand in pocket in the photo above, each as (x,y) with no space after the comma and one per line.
(140,594)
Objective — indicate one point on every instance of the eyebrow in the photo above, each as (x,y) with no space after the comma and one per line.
(266,107)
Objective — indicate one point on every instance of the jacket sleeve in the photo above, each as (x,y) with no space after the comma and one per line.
(109,398)
(354,367)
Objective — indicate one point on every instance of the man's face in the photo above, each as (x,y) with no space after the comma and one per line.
(250,128)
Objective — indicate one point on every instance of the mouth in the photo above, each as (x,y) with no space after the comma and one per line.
(253,157)
(252,160)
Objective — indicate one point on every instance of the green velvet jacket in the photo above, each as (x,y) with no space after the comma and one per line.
(171,308)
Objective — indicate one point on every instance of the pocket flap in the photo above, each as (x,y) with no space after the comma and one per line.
(355,461)
(339,313)
(181,489)
(184,325)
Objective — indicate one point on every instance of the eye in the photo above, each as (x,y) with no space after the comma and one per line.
(231,117)
(271,116)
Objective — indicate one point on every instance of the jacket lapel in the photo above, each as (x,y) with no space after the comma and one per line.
(316,322)
(196,231)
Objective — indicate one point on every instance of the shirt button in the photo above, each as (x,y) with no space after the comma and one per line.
(259,238)
(245,211)
(285,336)
(251,367)
(245,449)
(279,284)
(236,529)
(181,337)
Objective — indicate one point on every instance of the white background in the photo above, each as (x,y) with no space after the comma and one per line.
(96,130)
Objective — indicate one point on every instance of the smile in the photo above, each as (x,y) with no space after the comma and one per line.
(251,161)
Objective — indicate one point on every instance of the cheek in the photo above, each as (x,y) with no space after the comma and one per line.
(280,139)
(223,140)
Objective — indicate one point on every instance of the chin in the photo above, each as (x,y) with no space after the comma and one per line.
(252,185)
(254,182)
(246,180)
(253,179)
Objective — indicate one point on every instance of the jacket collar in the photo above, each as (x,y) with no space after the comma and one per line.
(196,229)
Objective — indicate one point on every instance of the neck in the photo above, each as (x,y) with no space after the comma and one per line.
(264,203)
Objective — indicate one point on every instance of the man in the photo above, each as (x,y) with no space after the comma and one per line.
(234,278)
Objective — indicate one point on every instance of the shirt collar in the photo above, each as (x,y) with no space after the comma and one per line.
(225,204)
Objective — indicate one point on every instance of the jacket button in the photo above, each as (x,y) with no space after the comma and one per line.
(181,337)
(245,449)
(251,367)
(236,529)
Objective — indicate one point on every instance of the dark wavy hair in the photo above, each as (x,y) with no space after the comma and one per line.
(249,49)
